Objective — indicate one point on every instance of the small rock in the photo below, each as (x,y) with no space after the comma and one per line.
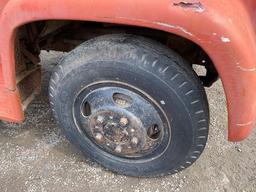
(238,149)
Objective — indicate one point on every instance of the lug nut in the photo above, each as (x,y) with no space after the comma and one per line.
(100,119)
(99,137)
(135,140)
(118,149)
(123,121)
(125,132)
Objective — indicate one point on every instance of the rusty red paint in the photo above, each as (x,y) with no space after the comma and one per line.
(226,31)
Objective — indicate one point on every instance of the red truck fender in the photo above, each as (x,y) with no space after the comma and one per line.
(224,30)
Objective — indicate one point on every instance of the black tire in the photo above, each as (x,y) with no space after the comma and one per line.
(152,68)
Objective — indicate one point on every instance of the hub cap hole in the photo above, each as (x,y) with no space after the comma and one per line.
(154,132)
(122,100)
(87,109)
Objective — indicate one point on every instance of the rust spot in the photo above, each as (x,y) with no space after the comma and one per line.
(196,6)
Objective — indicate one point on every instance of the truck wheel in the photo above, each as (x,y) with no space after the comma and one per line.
(132,105)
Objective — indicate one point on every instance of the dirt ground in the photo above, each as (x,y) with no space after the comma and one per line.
(35,156)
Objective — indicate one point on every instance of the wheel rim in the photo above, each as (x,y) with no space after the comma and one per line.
(122,120)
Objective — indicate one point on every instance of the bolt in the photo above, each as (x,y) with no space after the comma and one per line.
(124,121)
(132,130)
(135,140)
(99,137)
(125,132)
(118,149)
(100,119)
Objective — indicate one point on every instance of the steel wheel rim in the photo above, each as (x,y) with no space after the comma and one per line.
(106,124)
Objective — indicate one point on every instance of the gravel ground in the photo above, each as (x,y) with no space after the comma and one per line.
(35,156)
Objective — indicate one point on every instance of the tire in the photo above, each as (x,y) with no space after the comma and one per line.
(161,82)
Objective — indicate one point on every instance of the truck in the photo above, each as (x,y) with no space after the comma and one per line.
(126,94)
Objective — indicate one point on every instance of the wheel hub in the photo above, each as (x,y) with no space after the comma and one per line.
(119,132)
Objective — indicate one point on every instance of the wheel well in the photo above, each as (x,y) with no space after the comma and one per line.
(65,35)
